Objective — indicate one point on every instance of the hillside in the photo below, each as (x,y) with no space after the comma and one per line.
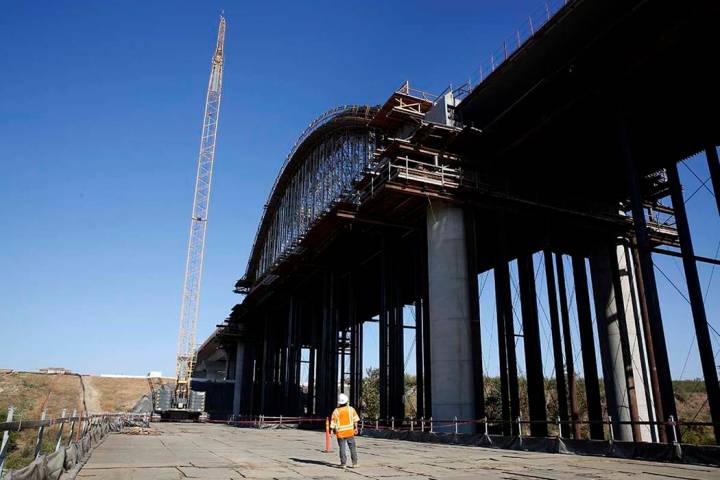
(31,393)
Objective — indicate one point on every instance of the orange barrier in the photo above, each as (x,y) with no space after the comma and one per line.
(327,436)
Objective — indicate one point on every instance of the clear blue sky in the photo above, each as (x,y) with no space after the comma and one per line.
(100,113)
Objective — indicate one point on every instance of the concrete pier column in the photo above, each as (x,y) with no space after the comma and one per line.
(239,370)
(641,374)
(451,351)
(609,338)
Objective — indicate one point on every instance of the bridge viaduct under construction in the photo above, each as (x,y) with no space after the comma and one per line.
(557,165)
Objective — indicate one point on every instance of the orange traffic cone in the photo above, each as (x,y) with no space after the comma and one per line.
(327,436)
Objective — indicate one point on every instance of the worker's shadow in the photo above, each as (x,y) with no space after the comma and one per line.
(315,462)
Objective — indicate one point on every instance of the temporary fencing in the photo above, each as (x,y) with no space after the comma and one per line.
(477,432)
(84,433)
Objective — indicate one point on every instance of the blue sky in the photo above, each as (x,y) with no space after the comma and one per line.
(100,114)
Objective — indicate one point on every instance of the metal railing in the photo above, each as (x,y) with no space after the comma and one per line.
(407,170)
(512,43)
(519,427)
(78,427)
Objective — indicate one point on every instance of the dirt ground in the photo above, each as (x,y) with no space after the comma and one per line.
(33,393)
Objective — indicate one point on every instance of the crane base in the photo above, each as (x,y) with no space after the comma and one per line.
(179,415)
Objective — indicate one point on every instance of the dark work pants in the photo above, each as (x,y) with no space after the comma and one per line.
(353,452)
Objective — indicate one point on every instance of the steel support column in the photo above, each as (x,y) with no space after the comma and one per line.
(533,352)
(501,283)
(478,376)
(702,333)
(587,344)
(239,377)
(396,340)
(714,167)
(383,337)
(264,370)
(556,336)
(567,341)
(652,303)
(505,310)
(424,304)
(622,305)
(419,329)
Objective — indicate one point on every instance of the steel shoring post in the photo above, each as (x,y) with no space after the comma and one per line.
(332,358)
(398,344)
(311,382)
(358,358)
(298,311)
(531,342)
(587,345)
(625,342)
(478,377)
(424,285)
(419,347)
(322,366)
(383,332)
(286,361)
(502,353)
(556,337)
(264,368)
(697,305)
(644,342)
(341,351)
(351,319)
(503,283)
(646,271)
(396,373)
(567,340)
(714,167)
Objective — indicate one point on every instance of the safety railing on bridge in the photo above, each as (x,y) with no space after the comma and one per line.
(60,443)
(535,21)
(406,170)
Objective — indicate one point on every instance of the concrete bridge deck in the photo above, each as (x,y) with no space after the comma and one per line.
(222,452)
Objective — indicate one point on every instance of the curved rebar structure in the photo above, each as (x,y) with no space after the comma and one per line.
(328,156)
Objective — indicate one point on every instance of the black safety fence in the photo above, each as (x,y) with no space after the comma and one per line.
(458,432)
(73,439)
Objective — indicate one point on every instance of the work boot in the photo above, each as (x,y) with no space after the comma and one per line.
(354,465)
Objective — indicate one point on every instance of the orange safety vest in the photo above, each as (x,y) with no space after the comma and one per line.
(343,421)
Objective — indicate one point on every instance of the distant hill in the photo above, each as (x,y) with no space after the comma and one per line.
(31,393)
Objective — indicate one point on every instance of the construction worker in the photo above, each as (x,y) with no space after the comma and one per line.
(344,424)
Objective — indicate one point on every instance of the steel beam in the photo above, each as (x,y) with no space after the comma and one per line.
(478,375)
(556,336)
(567,338)
(531,342)
(419,331)
(714,167)
(652,303)
(702,333)
(501,284)
(622,306)
(587,344)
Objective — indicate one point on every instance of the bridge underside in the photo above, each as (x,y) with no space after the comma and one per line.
(556,165)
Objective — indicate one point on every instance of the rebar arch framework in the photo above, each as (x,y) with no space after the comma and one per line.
(328,157)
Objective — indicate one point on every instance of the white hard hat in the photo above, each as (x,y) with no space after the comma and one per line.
(342,399)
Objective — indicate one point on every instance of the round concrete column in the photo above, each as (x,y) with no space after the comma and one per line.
(451,353)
